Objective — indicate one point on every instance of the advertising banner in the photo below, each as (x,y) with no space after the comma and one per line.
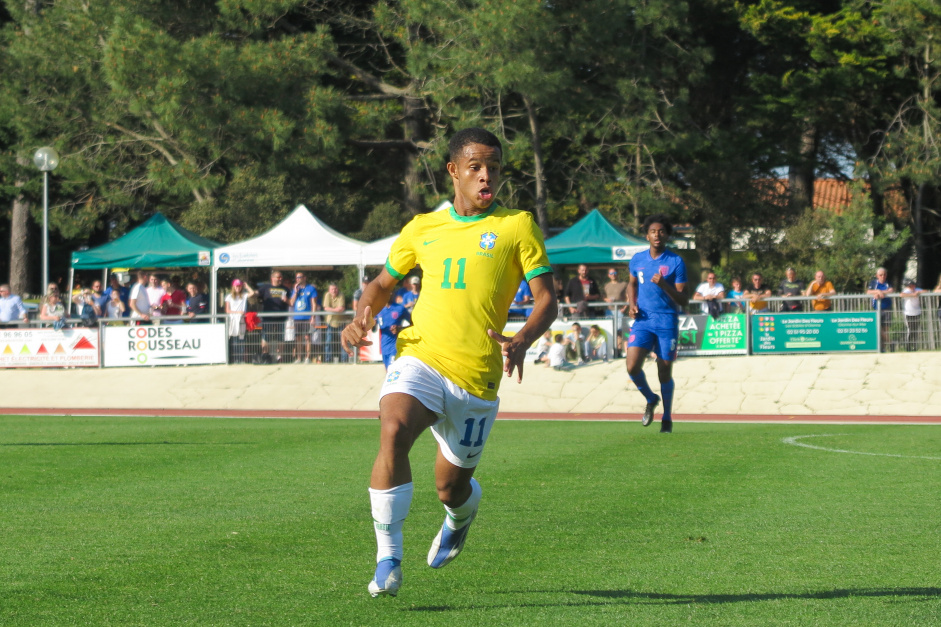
(819,332)
(704,335)
(48,348)
(165,345)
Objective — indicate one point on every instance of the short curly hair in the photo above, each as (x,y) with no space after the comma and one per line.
(473,135)
(662,219)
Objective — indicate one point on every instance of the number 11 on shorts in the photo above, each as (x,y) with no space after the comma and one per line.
(469,432)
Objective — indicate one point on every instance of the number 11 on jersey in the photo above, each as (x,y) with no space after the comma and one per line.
(459,284)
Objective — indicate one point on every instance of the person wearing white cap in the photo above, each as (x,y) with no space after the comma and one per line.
(911,299)
(411,296)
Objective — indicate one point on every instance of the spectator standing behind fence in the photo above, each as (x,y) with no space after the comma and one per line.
(197,304)
(756,294)
(524,296)
(911,299)
(53,311)
(710,293)
(879,288)
(303,304)
(275,299)
(580,291)
(736,293)
(615,291)
(410,297)
(86,307)
(791,286)
(173,301)
(123,293)
(236,304)
(359,293)
(12,310)
(115,307)
(100,298)
(335,303)
(821,288)
(155,294)
(139,299)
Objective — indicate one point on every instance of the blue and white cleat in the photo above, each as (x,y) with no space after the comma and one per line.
(448,544)
(388,578)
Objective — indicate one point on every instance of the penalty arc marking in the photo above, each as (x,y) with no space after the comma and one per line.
(793,440)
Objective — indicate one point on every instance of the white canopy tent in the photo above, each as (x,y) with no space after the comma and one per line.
(376,253)
(300,240)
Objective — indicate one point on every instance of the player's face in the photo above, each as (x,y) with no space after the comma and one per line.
(657,236)
(476,176)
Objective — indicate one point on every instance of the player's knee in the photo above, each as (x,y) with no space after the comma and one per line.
(453,493)
(397,435)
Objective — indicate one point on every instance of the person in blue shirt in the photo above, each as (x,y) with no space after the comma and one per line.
(303,303)
(390,319)
(879,289)
(524,296)
(655,296)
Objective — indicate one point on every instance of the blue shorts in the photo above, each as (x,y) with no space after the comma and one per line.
(663,342)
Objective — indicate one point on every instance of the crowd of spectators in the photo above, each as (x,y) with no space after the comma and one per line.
(299,323)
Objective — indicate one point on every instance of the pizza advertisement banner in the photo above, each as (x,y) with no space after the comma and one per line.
(48,348)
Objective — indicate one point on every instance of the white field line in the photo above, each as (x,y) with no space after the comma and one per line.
(793,440)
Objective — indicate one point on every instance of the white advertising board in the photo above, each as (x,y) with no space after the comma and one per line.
(48,348)
(165,345)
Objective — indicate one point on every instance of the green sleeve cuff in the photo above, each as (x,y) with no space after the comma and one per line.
(534,273)
(395,273)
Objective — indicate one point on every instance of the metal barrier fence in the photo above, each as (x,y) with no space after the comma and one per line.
(280,339)
(899,332)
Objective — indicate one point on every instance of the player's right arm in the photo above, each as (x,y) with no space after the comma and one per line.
(632,309)
(375,297)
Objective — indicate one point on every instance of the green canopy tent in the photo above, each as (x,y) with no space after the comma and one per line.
(593,240)
(157,243)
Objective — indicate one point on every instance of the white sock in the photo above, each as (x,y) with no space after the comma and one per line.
(459,516)
(389,509)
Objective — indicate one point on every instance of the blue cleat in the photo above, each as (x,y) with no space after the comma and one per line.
(648,412)
(448,544)
(388,578)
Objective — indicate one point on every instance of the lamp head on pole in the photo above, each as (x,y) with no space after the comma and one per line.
(46,159)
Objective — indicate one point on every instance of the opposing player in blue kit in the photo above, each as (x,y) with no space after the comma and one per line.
(655,294)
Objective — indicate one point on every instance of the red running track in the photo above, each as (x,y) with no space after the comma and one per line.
(302,414)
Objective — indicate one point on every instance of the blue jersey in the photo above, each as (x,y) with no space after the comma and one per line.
(306,298)
(390,315)
(655,307)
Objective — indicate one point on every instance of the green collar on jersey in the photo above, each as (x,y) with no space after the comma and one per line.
(479,216)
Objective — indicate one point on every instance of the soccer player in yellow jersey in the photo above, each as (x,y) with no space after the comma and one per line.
(451,360)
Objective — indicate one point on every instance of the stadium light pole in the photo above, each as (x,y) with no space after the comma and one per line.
(46,159)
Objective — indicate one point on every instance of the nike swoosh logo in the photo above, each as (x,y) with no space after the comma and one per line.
(473,455)
(430,241)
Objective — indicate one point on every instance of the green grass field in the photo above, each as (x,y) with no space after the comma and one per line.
(151,521)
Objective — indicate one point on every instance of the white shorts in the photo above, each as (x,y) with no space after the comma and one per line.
(464,420)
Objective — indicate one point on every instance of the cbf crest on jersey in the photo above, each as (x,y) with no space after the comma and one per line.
(488,240)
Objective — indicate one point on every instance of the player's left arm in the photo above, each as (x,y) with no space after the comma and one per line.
(545,310)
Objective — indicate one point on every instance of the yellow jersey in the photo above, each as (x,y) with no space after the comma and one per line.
(472,267)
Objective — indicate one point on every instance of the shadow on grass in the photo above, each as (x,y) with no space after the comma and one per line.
(688,599)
